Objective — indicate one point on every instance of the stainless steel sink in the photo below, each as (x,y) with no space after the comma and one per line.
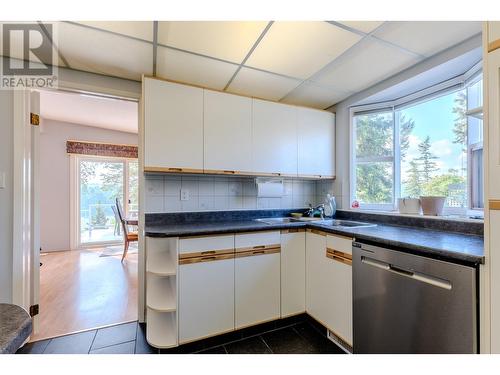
(347,223)
(285,220)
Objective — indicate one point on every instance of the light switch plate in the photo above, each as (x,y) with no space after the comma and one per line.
(184,195)
(2,180)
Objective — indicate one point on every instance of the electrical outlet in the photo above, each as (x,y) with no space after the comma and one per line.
(184,195)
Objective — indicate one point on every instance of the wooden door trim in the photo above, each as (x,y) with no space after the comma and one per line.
(492,46)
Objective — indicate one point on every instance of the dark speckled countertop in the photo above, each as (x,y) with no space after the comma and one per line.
(440,244)
(15,327)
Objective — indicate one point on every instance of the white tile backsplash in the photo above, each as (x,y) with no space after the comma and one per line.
(217,193)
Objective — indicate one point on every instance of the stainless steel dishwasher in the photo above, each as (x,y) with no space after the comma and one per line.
(404,303)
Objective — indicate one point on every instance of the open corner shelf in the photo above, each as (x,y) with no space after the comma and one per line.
(162,329)
(161,293)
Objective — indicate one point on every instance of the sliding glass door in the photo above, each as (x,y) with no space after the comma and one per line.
(100,182)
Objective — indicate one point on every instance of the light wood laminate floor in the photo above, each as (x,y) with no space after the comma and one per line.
(80,290)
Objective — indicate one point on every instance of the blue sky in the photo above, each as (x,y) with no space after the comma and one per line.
(436,119)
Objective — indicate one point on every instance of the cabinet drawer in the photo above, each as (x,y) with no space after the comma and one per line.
(195,246)
(339,243)
(257,240)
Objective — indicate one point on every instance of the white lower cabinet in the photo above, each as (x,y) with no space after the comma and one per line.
(293,272)
(206,298)
(257,288)
(329,285)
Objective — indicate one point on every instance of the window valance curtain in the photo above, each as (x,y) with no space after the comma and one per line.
(101,149)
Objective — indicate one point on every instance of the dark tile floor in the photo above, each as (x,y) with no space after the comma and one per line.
(288,336)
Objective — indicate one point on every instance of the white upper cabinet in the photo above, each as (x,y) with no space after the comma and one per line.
(274,138)
(316,143)
(228,132)
(173,126)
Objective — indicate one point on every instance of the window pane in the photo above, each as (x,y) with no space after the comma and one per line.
(475,95)
(133,185)
(433,139)
(374,135)
(374,183)
(100,184)
(477,178)
(475,130)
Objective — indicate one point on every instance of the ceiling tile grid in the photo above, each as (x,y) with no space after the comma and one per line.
(197,70)
(313,63)
(226,40)
(299,49)
(262,85)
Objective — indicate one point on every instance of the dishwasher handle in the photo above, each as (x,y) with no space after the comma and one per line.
(417,276)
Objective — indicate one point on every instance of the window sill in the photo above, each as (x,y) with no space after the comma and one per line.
(443,217)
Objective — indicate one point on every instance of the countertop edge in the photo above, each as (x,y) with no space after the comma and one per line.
(422,250)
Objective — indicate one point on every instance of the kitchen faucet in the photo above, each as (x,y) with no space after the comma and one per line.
(321,208)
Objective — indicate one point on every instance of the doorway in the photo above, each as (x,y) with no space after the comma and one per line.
(84,284)
(100,181)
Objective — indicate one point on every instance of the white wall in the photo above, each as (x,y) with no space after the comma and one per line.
(55,176)
(219,193)
(6,137)
(342,156)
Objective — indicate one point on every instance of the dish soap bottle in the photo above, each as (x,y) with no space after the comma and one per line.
(330,206)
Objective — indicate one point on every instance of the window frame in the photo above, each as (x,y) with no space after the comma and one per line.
(456,84)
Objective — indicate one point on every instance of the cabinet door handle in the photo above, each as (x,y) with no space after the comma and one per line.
(175,169)
(260,247)
(208,259)
(229,172)
(258,252)
(207,252)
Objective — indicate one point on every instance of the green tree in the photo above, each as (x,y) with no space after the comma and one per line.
(413,185)
(99,219)
(426,160)
(448,185)
(112,179)
(405,128)
(374,137)
(460,125)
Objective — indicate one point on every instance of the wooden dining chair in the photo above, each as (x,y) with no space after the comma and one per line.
(127,235)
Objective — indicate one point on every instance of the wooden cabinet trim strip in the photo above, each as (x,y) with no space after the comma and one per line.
(339,256)
(251,253)
(316,231)
(338,253)
(494,45)
(494,204)
(258,247)
(292,230)
(172,170)
(205,253)
(204,259)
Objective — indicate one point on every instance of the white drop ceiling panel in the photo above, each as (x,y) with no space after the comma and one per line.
(299,49)
(100,52)
(312,95)
(136,29)
(364,26)
(185,67)
(105,113)
(227,40)
(427,37)
(363,66)
(263,85)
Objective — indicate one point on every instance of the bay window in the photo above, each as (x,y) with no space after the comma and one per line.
(427,146)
